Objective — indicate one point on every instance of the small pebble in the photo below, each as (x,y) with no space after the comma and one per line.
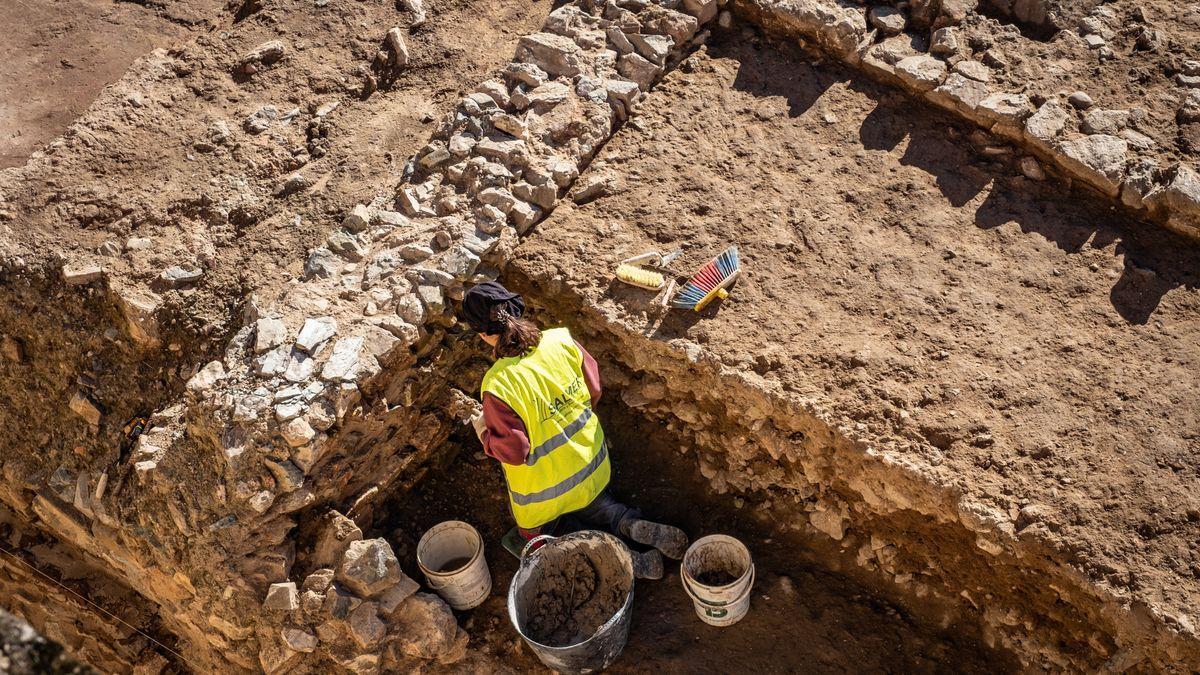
(1080,100)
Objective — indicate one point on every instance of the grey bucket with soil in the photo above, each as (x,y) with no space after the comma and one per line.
(571,601)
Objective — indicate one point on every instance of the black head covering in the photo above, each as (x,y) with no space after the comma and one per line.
(479,301)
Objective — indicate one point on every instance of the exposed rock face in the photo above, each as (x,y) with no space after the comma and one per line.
(335,535)
(1179,199)
(335,391)
(22,650)
(369,568)
(1097,159)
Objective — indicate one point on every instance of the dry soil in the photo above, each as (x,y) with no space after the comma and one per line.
(1032,349)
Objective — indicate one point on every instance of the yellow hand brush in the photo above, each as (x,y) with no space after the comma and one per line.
(640,277)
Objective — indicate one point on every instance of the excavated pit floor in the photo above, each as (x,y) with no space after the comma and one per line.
(805,616)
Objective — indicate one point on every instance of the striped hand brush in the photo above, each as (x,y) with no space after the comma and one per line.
(710,282)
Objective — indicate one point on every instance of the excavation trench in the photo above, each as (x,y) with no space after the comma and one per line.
(811,611)
(889,374)
(818,414)
(849,413)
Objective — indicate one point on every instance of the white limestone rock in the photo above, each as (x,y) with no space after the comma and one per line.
(78,275)
(358,219)
(369,567)
(638,69)
(1097,159)
(889,20)
(269,333)
(282,597)
(206,378)
(297,432)
(922,73)
(1102,121)
(396,44)
(655,48)
(315,332)
(299,640)
(345,361)
(959,92)
(555,54)
(1180,199)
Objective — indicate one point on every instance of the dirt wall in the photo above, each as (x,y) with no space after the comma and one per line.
(753,439)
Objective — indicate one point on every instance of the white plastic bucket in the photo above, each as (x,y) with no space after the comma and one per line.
(727,558)
(450,555)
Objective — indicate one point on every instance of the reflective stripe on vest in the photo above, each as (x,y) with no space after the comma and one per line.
(558,440)
(562,488)
(567,465)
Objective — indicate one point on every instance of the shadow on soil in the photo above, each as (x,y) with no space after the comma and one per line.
(1156,261)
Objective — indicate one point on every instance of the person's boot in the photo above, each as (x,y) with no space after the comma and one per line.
(670,540)
(647,564)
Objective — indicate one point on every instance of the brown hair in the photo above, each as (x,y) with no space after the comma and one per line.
(519,336)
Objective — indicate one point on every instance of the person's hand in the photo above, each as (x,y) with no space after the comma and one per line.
(477,422)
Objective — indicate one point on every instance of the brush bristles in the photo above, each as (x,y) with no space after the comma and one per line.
(707,279)
(642,278)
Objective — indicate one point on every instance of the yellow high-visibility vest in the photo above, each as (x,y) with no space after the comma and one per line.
(567,466)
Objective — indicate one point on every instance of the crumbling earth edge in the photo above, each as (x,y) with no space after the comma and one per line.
(832,479)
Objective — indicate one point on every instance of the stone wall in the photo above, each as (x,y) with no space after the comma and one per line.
(222,512)
(922,50)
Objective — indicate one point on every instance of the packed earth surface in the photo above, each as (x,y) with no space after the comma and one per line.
(950,404)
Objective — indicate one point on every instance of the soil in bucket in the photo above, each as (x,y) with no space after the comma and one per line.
(716,578)
(715,564)
(571,604)
(454,565)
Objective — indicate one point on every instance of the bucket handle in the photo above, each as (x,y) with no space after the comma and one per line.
(532,542)
(710,603)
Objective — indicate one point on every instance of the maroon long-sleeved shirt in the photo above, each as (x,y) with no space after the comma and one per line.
(505,437)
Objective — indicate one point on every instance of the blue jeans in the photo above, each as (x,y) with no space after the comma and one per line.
(604,513)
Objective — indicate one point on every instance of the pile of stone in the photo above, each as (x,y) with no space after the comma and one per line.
(510,149)
(362,613)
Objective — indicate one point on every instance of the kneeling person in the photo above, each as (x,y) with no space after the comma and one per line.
(538,420)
